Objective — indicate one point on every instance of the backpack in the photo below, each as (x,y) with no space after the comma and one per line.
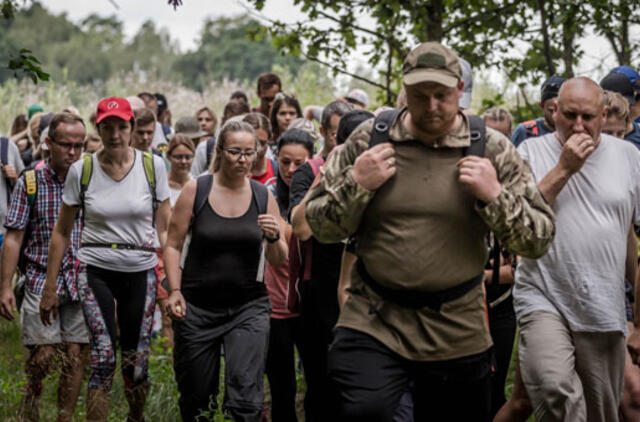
(300,255)
(150,175)
(531,128)
(4,159)
(478,134)
(31,187)
(204,183)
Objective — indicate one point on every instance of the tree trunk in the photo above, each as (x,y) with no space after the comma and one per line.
(434,13)
(568,35)
(551,69)
(625,48)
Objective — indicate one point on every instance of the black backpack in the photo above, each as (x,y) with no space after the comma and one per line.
(478,133)
(203,187)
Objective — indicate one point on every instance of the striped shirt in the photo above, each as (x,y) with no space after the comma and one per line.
(38,225)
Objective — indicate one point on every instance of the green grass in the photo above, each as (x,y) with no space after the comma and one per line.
(162,404)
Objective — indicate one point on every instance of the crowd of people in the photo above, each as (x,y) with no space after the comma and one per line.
(390,257)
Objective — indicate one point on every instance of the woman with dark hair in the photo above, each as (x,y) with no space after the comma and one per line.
(295,146)
(124,197)
(225,226)
(264,170)
(285,110)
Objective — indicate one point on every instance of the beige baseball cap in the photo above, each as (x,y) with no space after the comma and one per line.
(431,62)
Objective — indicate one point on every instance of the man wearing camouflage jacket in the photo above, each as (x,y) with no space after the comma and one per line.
(421,209)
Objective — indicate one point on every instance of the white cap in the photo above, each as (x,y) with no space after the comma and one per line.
(359,96)
(467,78)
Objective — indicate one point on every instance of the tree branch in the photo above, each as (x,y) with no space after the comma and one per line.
(480,16)
(343,71)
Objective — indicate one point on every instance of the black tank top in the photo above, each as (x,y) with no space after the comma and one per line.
(221,266)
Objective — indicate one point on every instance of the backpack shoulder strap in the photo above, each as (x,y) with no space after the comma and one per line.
(531,128)
(478,134)
(260,196)
(381,126)
(85,178)
(150,174)
(203,187)
(4,150)
(211,142)
(31,187)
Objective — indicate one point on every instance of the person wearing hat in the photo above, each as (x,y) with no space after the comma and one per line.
(124,197)
(620,83)
(33,109)
(420,209)
(358,98)
(634,77)
(190,127)
(542,125)
(467,78)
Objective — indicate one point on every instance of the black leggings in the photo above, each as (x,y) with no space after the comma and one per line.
(130,296)
(281,367)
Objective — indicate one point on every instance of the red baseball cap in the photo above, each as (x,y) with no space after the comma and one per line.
(114,106)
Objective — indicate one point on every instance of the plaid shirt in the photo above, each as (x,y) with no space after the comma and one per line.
(40,226)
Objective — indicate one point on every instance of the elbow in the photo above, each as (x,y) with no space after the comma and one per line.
(536,248)
(302,231)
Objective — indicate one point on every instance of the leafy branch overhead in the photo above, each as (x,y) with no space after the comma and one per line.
(529,39)
(27,64)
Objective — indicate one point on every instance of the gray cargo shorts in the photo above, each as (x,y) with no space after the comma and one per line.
(69,327)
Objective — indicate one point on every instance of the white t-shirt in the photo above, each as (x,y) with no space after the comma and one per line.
(581,278)
(174,194)
(199,164)
(117,212)
(13,159)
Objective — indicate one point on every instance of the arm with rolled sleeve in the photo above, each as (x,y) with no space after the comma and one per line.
(334,207)
(519,216)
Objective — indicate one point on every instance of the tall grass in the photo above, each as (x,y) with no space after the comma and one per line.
(162,403)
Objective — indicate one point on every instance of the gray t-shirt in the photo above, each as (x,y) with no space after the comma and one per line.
(199,164)
(117,212)
(13,159)
(581,278)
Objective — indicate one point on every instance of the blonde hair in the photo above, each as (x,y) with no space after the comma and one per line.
(180,139)
(617,104)
(498,114)
(227,129)
(213,116)
(33,126)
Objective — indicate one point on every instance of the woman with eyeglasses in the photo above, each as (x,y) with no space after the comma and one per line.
(124,197)
(284,111)
(224,225)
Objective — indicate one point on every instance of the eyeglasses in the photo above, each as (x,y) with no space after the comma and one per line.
(181,157)
(69,145)
(237,154)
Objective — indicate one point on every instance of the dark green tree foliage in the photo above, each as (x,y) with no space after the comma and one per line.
(480,30)
(231,48)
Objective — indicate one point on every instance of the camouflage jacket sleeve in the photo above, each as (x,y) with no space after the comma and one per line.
(519,216)
(335,206)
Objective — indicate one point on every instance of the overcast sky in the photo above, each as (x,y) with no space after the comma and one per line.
(184,23)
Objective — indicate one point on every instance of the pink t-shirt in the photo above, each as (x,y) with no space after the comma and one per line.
(277,280)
